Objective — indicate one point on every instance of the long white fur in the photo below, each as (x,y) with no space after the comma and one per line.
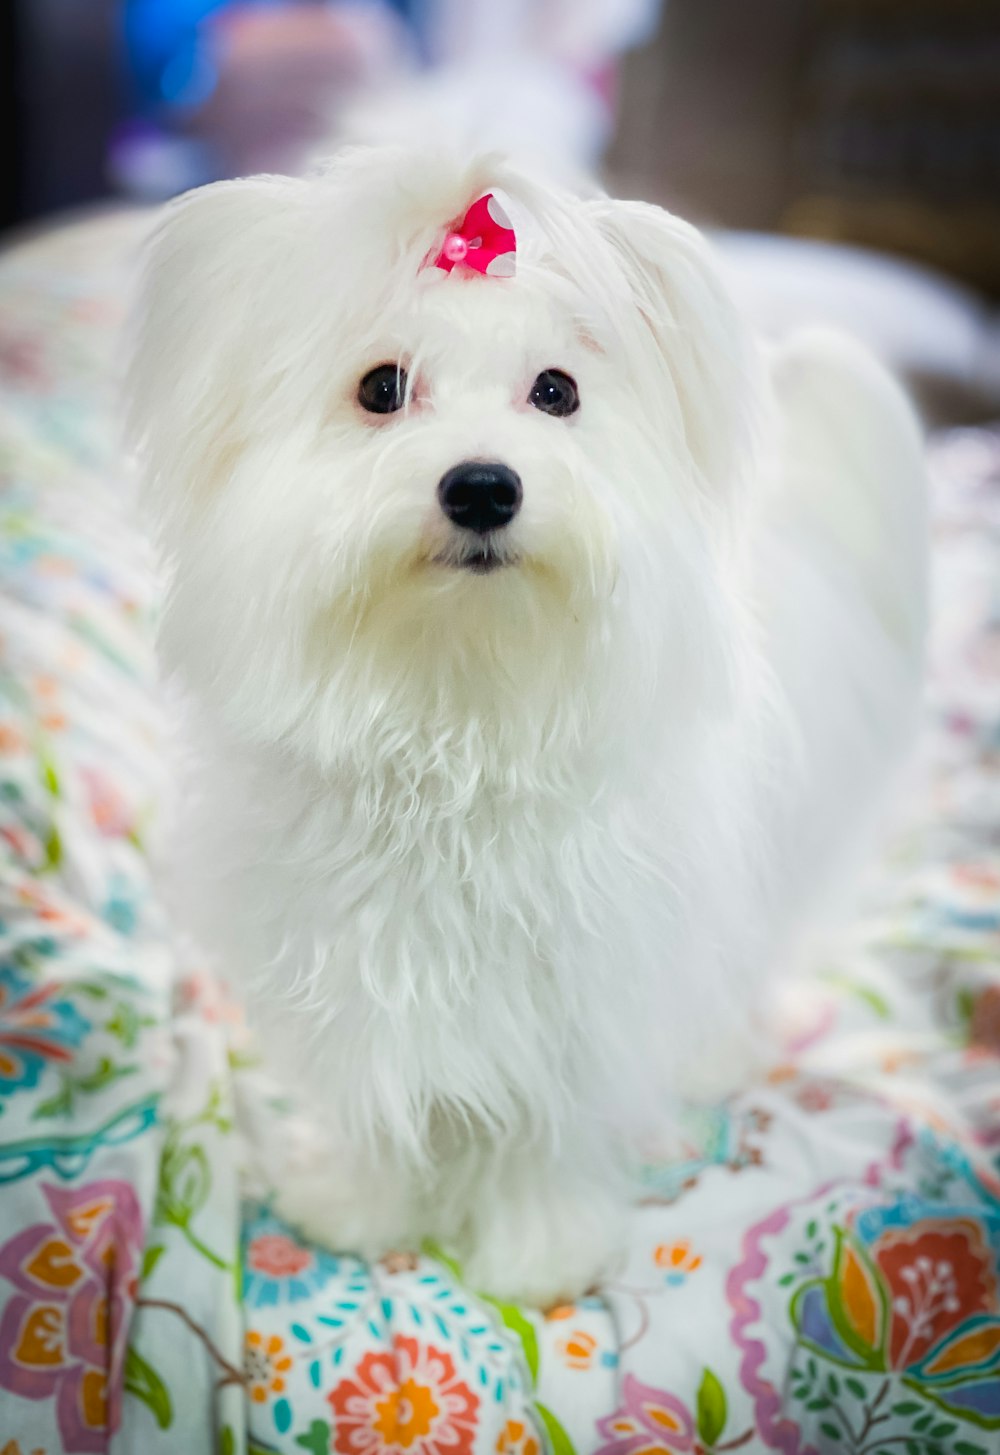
(504,862)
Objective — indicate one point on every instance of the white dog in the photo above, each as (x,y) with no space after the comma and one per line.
(549,645)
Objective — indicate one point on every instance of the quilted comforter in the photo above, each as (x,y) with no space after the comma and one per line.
(820,1273)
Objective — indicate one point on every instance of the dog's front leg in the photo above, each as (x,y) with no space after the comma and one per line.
(544,1226)
(350,1200)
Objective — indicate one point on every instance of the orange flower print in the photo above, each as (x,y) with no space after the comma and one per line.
(210,998)
(577,1349)
(405,1401)
(406,1414)
(396,1261)
(517,1439)
(108,808)
(264,1365)
(46,907)
(51,717)
(648,1422)
(11,741)
(677,1261)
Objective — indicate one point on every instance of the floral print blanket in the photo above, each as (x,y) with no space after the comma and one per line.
(821,1272)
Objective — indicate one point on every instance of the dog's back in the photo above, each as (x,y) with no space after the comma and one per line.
(842,562)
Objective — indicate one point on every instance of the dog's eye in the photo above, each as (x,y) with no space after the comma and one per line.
(383,390)
(554,392)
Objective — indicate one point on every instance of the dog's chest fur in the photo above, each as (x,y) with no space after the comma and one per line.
(419,936)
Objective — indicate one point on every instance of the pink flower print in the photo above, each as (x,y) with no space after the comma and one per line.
(63,1333)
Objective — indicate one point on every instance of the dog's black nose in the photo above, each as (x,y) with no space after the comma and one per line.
(480,495)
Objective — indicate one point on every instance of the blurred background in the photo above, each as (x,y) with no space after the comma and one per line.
(846,151)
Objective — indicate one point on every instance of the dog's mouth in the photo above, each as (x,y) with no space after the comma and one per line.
(481,563)
(480,560)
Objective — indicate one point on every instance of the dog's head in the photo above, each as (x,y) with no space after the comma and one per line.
(395,492)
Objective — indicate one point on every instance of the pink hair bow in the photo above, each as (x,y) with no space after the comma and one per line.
(483,240)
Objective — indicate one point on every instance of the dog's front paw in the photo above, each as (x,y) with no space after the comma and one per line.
(549,1246)
(349,1209)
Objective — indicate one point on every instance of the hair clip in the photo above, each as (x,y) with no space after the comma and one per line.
(484,241)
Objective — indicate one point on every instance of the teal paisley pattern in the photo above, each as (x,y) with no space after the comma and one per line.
(816,1269)
(41,1026)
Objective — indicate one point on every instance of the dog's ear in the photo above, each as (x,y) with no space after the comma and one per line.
(693,325)
(201,313)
